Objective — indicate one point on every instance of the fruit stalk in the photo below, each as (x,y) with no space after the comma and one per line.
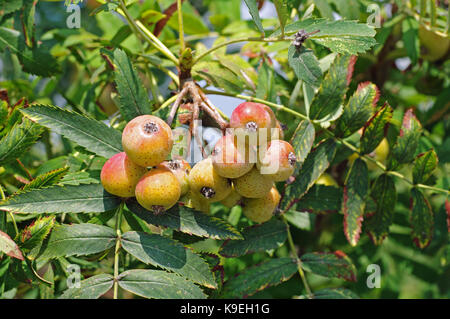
(299,262)
(117,250)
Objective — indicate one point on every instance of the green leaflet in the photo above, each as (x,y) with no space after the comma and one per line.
(320,198)
(266,236)
(18,140)
(358,110)
(92,288)
(405,148)
(62,199)
(93,135)
(168,254)
(424,166)
(375,129)
(34,234)
(302,141)
(187,220)
(315,164)
(254,12)
(256,278)
(159,284)
(422,219)
(340,36)
(337,265)
(333,88)
(335,293)
(385,196)
(9,247)
(410,37)
(36,60)
(133,98)
(78,240)
(354,202)
(46,179)
(305,65)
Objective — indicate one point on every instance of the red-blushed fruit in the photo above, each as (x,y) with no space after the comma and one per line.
(120,175)
(181,169)
(261,210)
(158,190)
(206,183)
(232,200)
(253,184)
(147,140)
(277,161)
(230,159)
(253,121)
(277,132)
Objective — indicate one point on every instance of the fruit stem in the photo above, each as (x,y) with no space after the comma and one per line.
(117,249)
(139,28)
(180,26)
(331,134)
(299,262)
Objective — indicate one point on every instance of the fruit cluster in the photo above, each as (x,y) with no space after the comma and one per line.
(241,169)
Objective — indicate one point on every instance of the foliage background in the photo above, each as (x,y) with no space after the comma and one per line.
(78,80)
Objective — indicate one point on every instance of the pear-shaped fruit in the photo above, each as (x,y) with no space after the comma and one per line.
(147,140)
(120,175)
(261,210)
(205,182)
(253,184)
(158,190)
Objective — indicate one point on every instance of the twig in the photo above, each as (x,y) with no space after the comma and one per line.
(117,250)
(175,105)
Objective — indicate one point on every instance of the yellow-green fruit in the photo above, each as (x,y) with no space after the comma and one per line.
(181,169)
(277,161)
(232,200)
(230,159)
(158,190)
(261,210)
(434,45)
(198,202)
(206,183)
(327,180)
(147,140)
(120,175)
(253,184)
(380,154)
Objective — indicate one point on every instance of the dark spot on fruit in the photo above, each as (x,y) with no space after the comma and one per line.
(150,128)
(208,192)
(174,165)
(251,126)
(292,158)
